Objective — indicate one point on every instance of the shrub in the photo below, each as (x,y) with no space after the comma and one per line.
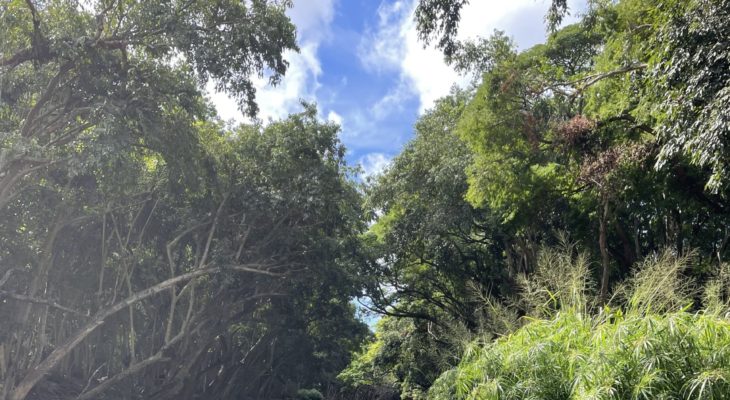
(309,394)
(649,347)
(610,356)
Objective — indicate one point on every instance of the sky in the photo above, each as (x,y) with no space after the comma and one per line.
(361,63)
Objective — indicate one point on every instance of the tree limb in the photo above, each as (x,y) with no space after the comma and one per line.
(17,58)
(60,352)
(593,79)
(50,90)
(35,300)
(7,275)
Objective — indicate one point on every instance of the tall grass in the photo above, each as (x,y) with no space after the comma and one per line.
(561,283)
(645,344)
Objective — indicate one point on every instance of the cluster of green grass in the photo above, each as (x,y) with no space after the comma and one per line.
(647,345)
(614,356)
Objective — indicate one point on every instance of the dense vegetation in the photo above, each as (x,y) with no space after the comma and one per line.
(649,346)
(147,250)
(614,134)
(559,229)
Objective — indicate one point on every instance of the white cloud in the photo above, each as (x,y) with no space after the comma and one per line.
(334,117)
(374,163)
(358,125)
(299,83)
(381,50)
(312,19)
(394,45)
(393,101)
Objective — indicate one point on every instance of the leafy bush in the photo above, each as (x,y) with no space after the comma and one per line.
(610,356)
(309,394)
(651,348)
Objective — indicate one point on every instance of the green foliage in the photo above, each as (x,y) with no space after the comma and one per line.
(575,135)
(405,357)
(439,20)
(561,282)
(117,181)
(277,201)
(694,84)
(429,238)
(614,356)
(309,394)
(373,366)
(80,82)
(652,348)
(430,258)
(507,126)
(483,54)
(436,18)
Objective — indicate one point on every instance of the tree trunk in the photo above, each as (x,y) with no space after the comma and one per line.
(629,256)
(36,374)
(602,244)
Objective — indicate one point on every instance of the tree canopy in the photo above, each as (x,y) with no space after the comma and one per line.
(148,250)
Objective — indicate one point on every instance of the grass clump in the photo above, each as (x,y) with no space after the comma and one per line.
(309,394)
(646,344)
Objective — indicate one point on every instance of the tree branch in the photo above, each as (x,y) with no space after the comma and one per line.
(50,90)
(17,58)
(35,300)
(7,275)
(593,79)
(32,378)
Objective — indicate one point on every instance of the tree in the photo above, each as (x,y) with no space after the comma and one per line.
(572,122)
(105,140)
(694,100)
(118,71)
(427,259)
(428,236)
(406,356)
(264,230)
(607,133)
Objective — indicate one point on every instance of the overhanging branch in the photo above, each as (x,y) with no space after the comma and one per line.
(59,353)
(45,302)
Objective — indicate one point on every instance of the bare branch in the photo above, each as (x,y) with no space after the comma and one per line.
(213,227)
(7,275)
(93,375)
(256,270)
(593,79)
(60,352)
(45,302)
(49,91)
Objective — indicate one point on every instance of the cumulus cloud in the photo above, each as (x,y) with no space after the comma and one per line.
(381,48)
(312,19)
(334,117)
(394,46)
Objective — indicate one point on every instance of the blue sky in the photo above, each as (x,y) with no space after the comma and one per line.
(361,62)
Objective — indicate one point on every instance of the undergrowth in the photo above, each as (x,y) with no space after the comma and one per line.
(649,342)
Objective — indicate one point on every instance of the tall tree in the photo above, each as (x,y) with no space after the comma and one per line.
(73,74)
(95,92)
(264,233)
